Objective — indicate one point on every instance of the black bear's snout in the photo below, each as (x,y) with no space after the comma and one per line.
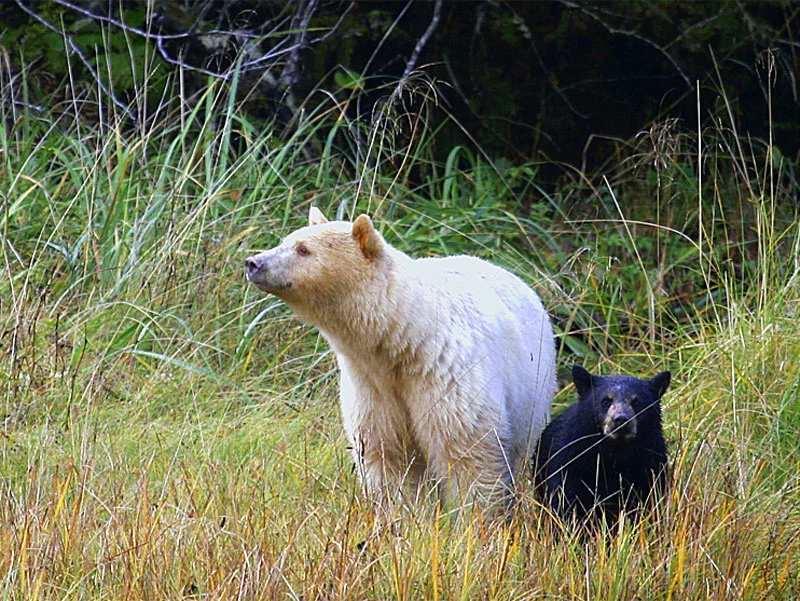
(619,419)
(620,423)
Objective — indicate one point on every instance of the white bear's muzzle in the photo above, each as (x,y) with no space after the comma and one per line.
(264,271)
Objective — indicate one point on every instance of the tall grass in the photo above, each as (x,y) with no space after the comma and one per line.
(170,433)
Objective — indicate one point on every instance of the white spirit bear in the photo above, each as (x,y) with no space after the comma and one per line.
(447,365)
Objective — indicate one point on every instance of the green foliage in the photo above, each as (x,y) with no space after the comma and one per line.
(349,80)
(124,62)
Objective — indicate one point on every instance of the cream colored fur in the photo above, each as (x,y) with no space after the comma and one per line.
(447,365)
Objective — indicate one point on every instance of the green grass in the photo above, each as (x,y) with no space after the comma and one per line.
(168,432)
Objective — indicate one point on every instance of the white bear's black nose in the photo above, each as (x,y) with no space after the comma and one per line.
(253,265)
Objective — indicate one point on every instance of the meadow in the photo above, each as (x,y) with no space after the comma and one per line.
(168,432)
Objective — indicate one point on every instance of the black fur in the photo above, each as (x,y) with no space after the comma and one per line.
(606,453)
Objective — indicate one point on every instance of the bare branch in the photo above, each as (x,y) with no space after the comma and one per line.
(291,71)
(279,50)
(615,30)
(74,49)
(412,60)
(548,74)
(333,29)
(145,33)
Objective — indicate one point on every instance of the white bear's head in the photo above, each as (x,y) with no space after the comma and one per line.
(319,264)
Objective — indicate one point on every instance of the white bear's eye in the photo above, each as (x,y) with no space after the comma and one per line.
(302,250)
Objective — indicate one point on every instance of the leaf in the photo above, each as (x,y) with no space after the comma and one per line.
(190,367)
(349,80)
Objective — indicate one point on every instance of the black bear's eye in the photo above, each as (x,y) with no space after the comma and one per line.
(302,250)
(607,400)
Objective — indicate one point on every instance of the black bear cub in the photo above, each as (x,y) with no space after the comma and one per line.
(606,453)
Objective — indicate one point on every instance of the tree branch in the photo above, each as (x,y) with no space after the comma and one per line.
(279,50)
(291,72)
(73,47)
(412,60)
(615,30)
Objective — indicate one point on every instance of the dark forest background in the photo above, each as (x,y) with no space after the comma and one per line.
(567,81)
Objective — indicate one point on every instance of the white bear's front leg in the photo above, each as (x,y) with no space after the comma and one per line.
(387,459)
(476,468)
(386,472)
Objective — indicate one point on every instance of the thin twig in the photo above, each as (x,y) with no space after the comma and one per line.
(551,79)
(142,32)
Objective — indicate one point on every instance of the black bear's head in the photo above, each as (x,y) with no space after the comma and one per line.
(622,405)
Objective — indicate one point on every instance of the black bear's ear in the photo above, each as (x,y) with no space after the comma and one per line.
(660,383)
(582,379)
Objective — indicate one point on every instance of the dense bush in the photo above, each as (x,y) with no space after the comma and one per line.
(567,80)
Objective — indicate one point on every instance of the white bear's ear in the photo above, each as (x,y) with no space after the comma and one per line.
(368,238)
(582,379)
(315,216)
